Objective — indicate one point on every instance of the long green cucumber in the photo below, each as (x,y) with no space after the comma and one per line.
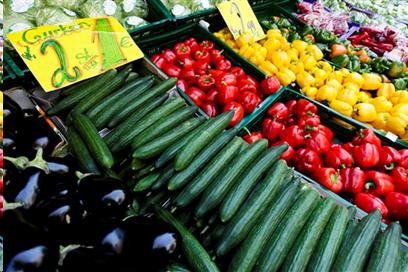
(216,192)
(148,169)
(304,246)
(176,268)
(239,193)
(158,145)
(181,178)
(146,182)
(135,117)
(138,164)
(127,136)
(195,145)
(82,91)
(354,256)
(131,106)
(329,245)
(194,252)
(287,232)
(208,174)
(132,76)
(164,177)
(111,100)
(248,252)
(98,148)
(81,152)
(254,207)
(386,254)
(163,125)
(404,261)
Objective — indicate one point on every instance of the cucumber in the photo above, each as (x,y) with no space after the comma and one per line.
(82,91)
(196,144)
(208,174)
(284,236)
(81,152)
(150,106)
(163,125)
(131,106)
(164,177)
(354,256)
(98,148)
(146,182)
(247,254)
(254,207)
(131,89)
(158,145)
(176,268)
(386,254)
(138,164)
(326,250)
(304,246)
(144,171)
(128,134)
(216,192)
(239,193)
(194,252)
(132,76)
(105,90)
(181,178)
(404,261)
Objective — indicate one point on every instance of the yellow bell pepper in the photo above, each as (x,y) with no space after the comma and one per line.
(400,108)
(381,104)
(333,83)
(315,51)
(286,76)
(310,92)
(231,44)
(381,121)
(348,96)
(386,90)
(304,79)
(246,51)
(219,35)
(263,52)
(344,72)
(337,75)
(297,68)
(354,78)
(371,81)
(363,97)
(268,68)
(280,59)
(320,76)
(325,66)
(341,107)
(271,45)
(365,112)
(398,124)
(293,54)
(299,45)
(351,86)
(399,97)
(326,94)
(273,33)
(244,39)
(284,44)
(309,62)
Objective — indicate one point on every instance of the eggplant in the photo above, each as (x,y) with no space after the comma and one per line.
(11,145)
(12,115)
(88,259)
(40,258)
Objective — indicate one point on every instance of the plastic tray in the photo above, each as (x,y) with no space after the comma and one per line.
(167,40)
(341,135)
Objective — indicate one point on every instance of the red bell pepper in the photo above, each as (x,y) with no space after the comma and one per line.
(238,72)
(212,95)
(278,112)
(216,56)
(389,158)
(206,45)
(348,146)
(252,137)
(378,183)
(353,180)
(182,85)
(223,65)
(318,142)
(404,158)
(329,178)
(216,73)
(188,75)
(226,79)
(305,107)
(337,157)
(205,82)
(271,129)
(159,61)
(246,85)
(397,204)
(288,154)
(369,202)
(307,161)
(187,63)
(309,122)
(197,95)
(293,135)
(366,136)
(249,101)
(270,85)
(172,70)
(201,67)
(201,55)
(210,108)
(227,94)
(192,42)
(182,51)
(291,105)
(290,121)
(400,178)
(250,78)
(238,112)
(169,56)
(366,155)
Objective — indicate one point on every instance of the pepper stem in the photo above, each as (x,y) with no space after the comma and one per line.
(390,166)
(370,185)
(39,162)
(20,162)
(246,130)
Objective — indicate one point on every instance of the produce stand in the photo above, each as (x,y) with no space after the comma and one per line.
(209,153)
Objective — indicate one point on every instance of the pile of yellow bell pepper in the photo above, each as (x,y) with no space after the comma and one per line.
(361,96)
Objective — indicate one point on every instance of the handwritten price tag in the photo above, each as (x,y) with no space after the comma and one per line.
(62,55)
(240,18)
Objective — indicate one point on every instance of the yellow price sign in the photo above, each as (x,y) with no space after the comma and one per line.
(240,18)
(62,55)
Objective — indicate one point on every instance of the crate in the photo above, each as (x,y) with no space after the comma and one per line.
(341,135)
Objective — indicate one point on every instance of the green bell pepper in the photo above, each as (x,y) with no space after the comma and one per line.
(397,69)
(365,68)
(283,23)
(307,29)
(341,60)
(324,36)
(293,36)
(400,83)
(380,65)
(354,64)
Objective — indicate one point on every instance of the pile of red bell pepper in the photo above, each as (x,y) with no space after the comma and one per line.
(211,81)
(379,41)
(373,175)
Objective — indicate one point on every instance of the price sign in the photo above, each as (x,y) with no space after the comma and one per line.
(62,55)
(240,18)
